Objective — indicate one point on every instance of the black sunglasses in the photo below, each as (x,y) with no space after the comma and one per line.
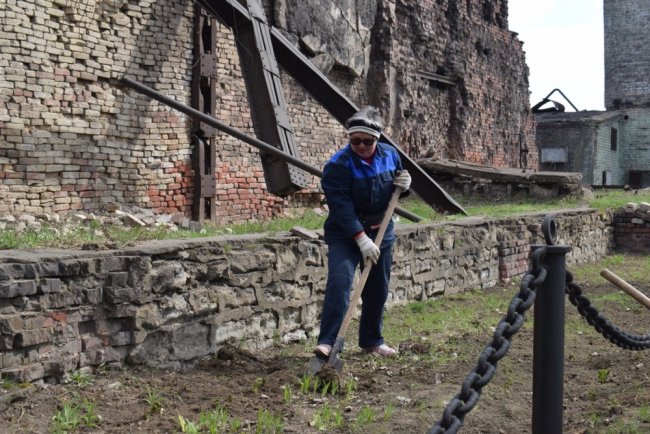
(355,141)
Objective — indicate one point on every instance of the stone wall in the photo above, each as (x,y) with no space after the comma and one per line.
(72,138)
(169,303)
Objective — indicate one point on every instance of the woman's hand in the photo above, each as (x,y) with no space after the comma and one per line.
(369,250)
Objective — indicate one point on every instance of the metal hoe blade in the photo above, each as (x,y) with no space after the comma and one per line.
(318,364)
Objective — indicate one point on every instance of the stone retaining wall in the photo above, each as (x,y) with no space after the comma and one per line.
(168,303)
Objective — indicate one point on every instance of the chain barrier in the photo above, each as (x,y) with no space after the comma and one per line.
(466,399)
(602,325)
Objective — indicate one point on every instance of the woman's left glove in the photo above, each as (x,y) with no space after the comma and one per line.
(403,180)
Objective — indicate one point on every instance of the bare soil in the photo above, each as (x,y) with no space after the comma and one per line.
(607,389)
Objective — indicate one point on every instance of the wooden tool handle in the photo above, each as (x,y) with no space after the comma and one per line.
(368,265)
(631,290)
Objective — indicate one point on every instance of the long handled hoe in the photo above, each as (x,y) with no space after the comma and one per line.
(318,364)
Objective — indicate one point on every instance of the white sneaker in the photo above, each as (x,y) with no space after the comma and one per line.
(323,350)
(382,350)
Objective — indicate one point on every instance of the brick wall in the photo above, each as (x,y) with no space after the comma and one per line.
(633,228)
(72,138)
(485,117)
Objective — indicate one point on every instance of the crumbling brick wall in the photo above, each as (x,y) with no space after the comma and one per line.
(72,138)
(484,116)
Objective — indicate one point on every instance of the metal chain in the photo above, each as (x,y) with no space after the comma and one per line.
(615,335)
(466,399)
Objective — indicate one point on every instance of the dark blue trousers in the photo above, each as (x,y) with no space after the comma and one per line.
(343,258)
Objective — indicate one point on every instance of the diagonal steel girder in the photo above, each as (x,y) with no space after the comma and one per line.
(230,12)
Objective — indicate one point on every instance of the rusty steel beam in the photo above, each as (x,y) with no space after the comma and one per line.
(214,123)
(230,12)
(266,100)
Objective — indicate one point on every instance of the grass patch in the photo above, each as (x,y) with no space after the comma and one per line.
(57,236)
(79,378)
(74,415)
(449,315)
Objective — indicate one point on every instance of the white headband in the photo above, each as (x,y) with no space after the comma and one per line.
(364,129)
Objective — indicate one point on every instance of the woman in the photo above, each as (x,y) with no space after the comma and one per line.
(358,182)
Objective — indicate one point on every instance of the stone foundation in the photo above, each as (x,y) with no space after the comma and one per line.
(169,303)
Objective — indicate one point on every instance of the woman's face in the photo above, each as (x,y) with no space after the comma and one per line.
(363,144)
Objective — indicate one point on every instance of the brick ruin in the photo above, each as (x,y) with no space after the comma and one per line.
(449,76)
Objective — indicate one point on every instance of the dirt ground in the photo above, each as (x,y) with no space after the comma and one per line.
(607,389)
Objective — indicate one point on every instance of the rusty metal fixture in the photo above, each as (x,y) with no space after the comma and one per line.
(204,95)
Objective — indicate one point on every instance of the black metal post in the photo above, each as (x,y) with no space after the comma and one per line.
(548,345)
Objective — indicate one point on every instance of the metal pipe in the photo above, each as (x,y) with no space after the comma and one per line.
(562,93)
(548,344)
(206,119)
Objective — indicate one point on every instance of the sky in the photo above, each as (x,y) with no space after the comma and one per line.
(564,46)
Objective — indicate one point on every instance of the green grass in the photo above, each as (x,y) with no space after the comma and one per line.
(75,414)
(80,379)
(448,315)
(630,271)
(53,236)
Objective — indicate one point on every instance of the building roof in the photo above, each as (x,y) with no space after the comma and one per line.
(586,116)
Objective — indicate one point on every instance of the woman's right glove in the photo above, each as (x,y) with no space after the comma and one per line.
(368,248)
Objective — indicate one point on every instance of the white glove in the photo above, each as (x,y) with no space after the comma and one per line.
(403,180)
(368,248)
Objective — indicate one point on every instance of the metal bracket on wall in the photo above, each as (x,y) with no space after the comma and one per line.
(204,94)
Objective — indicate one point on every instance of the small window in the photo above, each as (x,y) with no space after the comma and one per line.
(554,155)
(613,140)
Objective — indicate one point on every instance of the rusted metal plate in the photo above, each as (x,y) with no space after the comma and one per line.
(208,185)
(208,65)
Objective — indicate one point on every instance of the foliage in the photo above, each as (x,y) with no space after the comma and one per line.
(75,414)
(155,402)
(79,378)
(257,384)
(51,235)
(603,375)
(215,421)
(267,423)
(287,395)
(327,418)
(365,417)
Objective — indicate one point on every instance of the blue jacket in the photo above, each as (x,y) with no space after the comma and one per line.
(356,191)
